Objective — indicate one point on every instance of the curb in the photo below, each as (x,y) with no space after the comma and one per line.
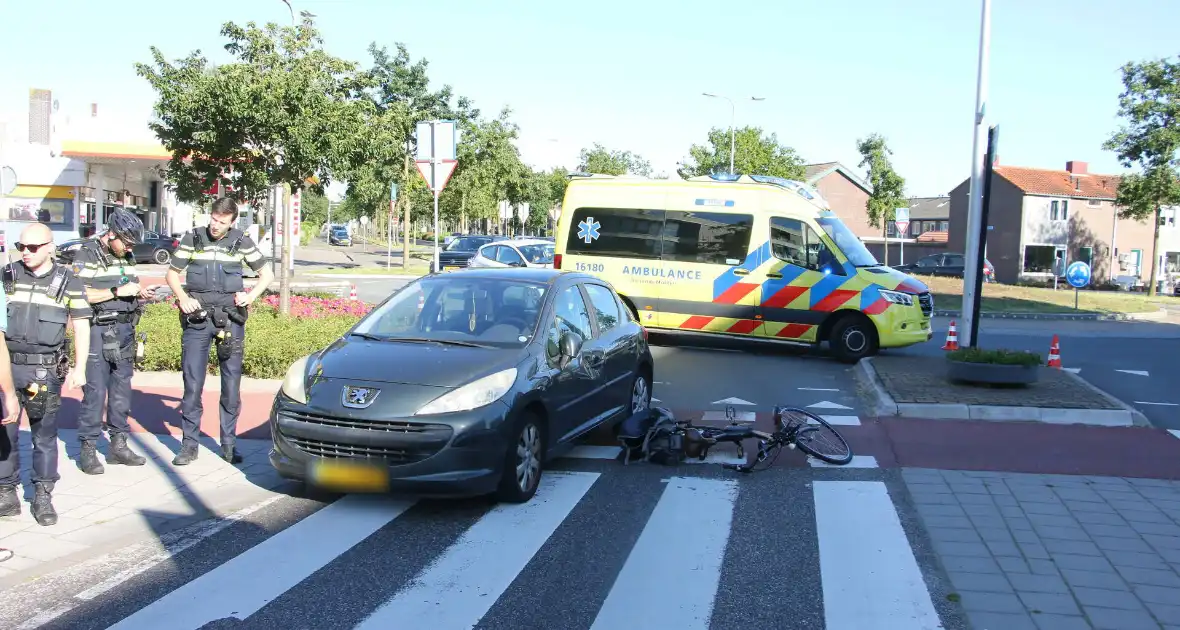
(883,406)
(1159,315)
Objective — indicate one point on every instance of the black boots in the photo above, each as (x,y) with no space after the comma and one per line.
(42,506)
(9,501)
(120,454)
(230,454)
(186,456)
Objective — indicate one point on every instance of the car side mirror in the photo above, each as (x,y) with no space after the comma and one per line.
(570,346)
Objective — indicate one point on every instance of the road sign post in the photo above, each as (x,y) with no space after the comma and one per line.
(1078,276)
(392,224)
(437,140)
(901,221)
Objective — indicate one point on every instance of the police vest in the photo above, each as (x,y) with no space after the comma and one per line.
(216,267)
(38,310)
(111,273)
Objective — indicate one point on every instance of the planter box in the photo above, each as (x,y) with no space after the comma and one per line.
(992,374)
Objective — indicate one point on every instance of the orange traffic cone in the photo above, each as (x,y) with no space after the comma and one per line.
(1054,354)
(352,292)
(952,338)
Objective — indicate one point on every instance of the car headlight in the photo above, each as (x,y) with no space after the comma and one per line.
(474,395)
(897,297)
(295,382)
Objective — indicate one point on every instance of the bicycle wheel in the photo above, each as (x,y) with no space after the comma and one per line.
(837,450)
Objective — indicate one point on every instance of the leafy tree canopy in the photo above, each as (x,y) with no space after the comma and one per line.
(756,154)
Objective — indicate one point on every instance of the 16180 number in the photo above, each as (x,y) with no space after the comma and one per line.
(590,267)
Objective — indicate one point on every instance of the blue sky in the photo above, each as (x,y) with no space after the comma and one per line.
(630,74)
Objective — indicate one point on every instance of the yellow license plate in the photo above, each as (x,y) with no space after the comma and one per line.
(349,476)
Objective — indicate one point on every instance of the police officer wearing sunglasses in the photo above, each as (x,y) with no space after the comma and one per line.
(43,297)
(107,266)
(213,304)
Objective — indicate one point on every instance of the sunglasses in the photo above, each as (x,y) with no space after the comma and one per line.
(22,247)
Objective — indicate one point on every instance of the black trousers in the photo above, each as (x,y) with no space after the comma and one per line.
(107,384)
(195,342)
(44,430)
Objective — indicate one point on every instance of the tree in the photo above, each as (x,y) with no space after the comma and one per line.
(599,159)
(756,154)
(489,171)
(273,115)
(1150,139)
(888,187)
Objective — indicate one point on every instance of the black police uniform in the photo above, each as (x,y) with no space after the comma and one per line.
(111,362)
(39,309)
(214,273)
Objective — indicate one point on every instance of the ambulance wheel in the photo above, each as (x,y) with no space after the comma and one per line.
(853,338)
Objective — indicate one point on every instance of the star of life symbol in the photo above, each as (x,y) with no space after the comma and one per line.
(588,230)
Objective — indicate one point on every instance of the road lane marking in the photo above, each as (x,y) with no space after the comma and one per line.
(243,585)
(827,404)
(858,461)
(731,401)
(1175,433)
(1135,372)
(685,537)
(844,421)
(870,576)
(817,389)
(457,590)
(1141,402)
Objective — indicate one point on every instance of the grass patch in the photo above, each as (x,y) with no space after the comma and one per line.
(1008,298)
(995,357)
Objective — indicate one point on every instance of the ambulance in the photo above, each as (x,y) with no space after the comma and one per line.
(748,255)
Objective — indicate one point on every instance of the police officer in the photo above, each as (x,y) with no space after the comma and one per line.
(213,305)
(42,297)
(107,267)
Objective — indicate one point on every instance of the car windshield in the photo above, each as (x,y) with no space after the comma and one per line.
(538,254)
(848,243)
(467,244)
(448,309)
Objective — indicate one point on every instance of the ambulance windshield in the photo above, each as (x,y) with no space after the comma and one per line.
(848,243)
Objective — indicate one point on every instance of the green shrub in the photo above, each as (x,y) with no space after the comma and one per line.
(997,357)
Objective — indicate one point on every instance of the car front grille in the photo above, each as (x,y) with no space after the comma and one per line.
(387,426)
(357,438)
(458,262)
(926,301)
(321,448)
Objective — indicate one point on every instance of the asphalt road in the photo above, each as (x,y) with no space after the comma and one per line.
(1136,362)
(601,546)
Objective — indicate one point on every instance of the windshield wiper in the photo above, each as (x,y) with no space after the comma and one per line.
(370,336)
(452,342)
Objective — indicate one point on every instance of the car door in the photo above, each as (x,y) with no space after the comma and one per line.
(617,344)
(576,391)
(144,250)
(485,257)
(803,281)
(952,265)
(507,256)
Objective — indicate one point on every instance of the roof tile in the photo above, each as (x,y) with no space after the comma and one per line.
(1039,181)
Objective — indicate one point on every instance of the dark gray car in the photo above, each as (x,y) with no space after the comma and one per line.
(463,383)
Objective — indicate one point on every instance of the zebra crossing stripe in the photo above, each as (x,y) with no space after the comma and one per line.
(457,590)
(242,586)
(684,537)
(870,576)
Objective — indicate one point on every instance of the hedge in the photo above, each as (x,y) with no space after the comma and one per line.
(273,341)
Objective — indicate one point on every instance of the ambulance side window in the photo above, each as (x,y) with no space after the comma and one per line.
(796,243)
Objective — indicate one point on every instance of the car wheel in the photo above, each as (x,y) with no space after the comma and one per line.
(853,338)
(523,461)
(161,256)
(640,394)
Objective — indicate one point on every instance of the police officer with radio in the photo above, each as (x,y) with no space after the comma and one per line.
(107,267)
(213,304)
(43,297)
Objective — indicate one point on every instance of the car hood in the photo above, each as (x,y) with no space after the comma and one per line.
(894,280)
(411,363)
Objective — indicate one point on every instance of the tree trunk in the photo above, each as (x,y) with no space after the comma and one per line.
(1155,255)
(885,242)
(463,213)
(406,215)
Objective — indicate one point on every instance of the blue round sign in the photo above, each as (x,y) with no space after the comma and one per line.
(1077,274)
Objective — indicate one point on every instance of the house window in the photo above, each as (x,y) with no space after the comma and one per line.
(944,226)
(1039,258)
(916,229)
(1058,210)
(1168,217)
(1094,203)
(1086,255)
(891,229)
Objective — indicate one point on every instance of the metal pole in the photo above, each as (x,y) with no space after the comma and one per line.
(434,163)
(974,198)
(732,133)
(435,176)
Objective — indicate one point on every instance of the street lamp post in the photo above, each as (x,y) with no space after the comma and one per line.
(732,128)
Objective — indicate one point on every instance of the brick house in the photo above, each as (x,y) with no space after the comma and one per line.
(1038,215)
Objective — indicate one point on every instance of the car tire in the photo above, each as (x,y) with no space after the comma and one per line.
(852,339)
(161,256)
(528,435)
(640,393)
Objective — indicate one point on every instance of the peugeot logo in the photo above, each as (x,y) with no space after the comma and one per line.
(358,397)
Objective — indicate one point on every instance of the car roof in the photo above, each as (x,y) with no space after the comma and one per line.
(527,274)
(525,241)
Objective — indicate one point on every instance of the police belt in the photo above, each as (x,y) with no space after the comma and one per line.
(25,358)
(105,318)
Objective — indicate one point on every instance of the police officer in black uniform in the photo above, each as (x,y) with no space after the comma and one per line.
(213,305)
(107,267)
(42,298)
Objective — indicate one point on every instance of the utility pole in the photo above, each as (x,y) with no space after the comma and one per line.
(975,191)
(732,120)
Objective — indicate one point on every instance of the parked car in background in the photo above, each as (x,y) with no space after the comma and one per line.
(951,265)
(515,253)
(457,253)
(463,384)
(338,235)
(155,248)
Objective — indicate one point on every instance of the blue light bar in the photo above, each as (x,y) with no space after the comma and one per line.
(728,203)
(725,177)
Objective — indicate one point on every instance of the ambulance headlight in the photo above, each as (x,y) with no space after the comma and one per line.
(897,297)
